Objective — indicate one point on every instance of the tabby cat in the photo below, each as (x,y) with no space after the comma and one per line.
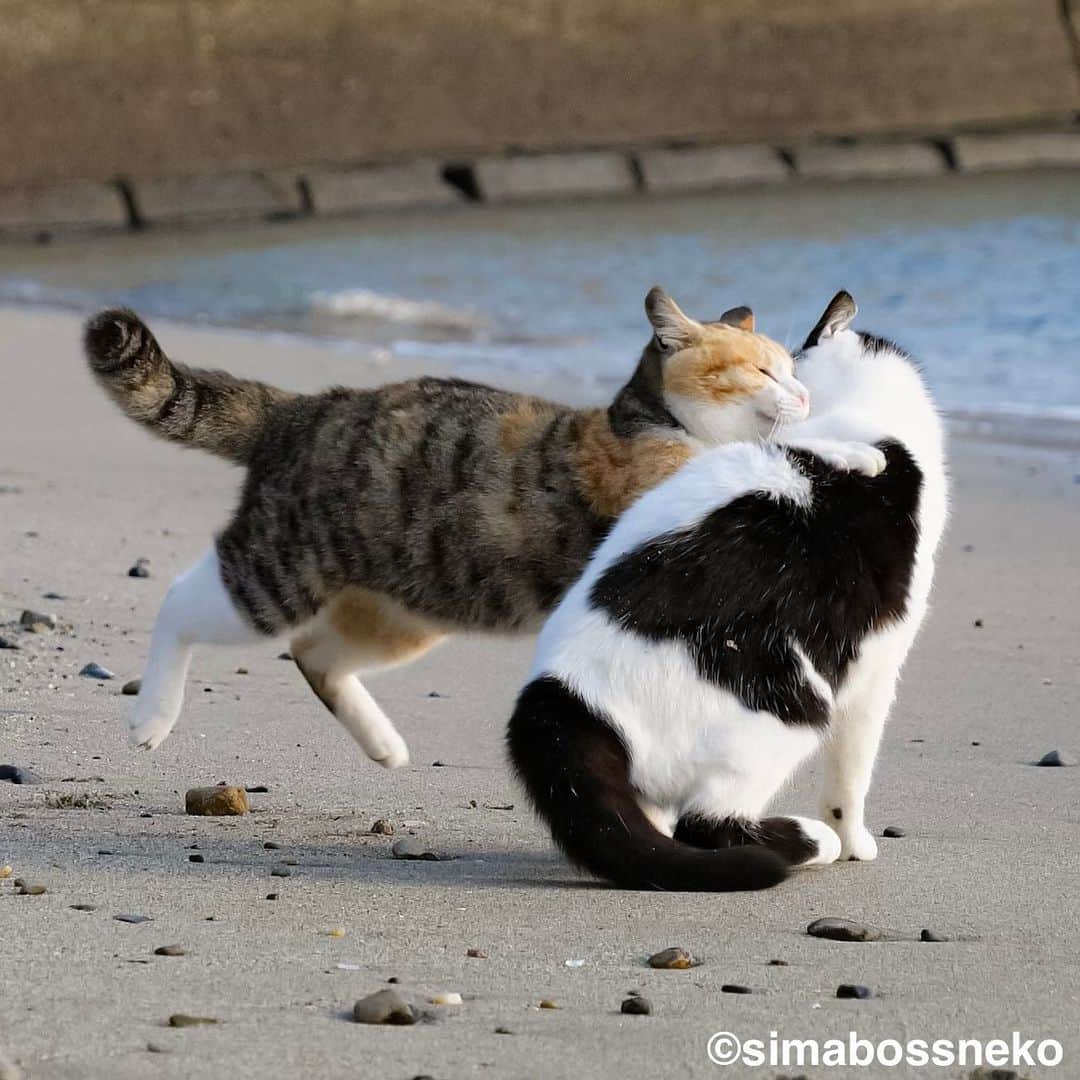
(753,608)
(374,522)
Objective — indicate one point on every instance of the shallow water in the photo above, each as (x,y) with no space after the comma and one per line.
(979,277)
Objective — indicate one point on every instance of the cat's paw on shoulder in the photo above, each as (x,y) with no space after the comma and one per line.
(857,457)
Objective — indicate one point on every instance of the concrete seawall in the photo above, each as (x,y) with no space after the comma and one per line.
(109,90)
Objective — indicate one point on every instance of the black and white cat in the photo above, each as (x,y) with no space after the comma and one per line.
(754,607)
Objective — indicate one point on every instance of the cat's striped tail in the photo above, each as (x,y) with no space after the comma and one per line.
(577,773)
(210,410)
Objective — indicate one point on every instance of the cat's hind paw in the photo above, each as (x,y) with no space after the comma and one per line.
(826,843)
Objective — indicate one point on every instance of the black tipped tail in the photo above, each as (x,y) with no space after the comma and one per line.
(577,773)
(117,339)
(211,410)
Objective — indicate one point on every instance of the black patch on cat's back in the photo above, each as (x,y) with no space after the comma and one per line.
(759,573)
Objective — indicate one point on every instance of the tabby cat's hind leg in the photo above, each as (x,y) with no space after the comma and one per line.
(197,609)
(361,631)
(799,841)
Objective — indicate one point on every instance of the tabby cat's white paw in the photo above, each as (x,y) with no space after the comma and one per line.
(393,754)
(858,845)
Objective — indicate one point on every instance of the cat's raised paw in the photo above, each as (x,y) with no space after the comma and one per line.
(394,754)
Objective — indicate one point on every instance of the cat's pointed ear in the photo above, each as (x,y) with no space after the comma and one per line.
(674,328)
(741,316)
(839,315)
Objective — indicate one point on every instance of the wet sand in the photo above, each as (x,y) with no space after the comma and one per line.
(990,858)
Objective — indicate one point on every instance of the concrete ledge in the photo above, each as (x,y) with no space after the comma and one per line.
(230,196)
(66,207)
(869,161)
(553,176)
(382,187)
(701,168)
(1044,149)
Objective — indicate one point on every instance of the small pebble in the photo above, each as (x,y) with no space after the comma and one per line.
(383,1007)
(133,918)
(141,569)
(1060,758)
(216,801)
(272,896)
(131,688)
(7,643)
(778,963)
(94,670)
(183,1020)
(16,774)
(893,832)
(241,671)
(157,1048)
(849,990)
(83,907)
(196,858)
(280,871)
(843,930)
(336,932)
(23,888)
(476,954)
(413,848)
(271,845)
(37,622)
(382,827)
(503,1031)
(735,988)
(547,1003)
(170,950)
(929,935)
(284,656)
(672,959)
(5,872)
(978,624)
(257,789)
(446,999)
(636,1006)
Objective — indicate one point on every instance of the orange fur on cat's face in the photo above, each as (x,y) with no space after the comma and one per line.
(724,382)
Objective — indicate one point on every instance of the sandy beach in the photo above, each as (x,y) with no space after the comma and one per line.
(990,859)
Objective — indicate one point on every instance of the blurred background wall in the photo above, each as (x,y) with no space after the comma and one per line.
(106,89)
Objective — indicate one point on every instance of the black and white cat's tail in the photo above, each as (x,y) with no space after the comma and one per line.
(577,774)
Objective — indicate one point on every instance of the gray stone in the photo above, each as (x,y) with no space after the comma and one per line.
(1058,759)
(410,847)
(851,990)
(141,569)
(700,168)
(7,643)
(380,187)
(930,935)
(1031,150)
(872,161)
(384,1007)
(37,621)
(65,208)
(134,919)
(843,930)
(170,950)
(131,688)
(227,196)
(183,1020)
(553,176)
(94,670)
(636,1005)
(893,832)
(16,774)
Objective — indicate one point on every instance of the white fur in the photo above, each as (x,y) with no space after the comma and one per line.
(197,609)
(694,746)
